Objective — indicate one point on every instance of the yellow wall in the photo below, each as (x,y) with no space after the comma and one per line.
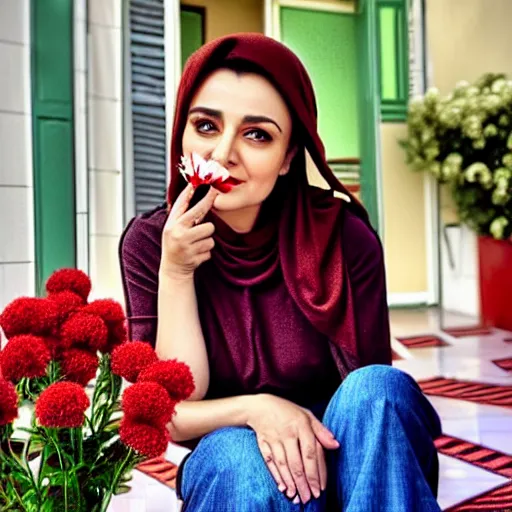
(467,38)
(404,216)
(229,16)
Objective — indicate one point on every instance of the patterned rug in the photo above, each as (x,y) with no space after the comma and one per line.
(481,456)
(488,394)
(504,364)
(160,469)
(473,330)
(428,340)
(496,500)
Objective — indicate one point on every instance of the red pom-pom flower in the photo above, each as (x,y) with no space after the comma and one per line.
(69,280)
(24,356)
(29,315)
(129,359)
(78,365)
(148,402)
(85,331)
(173,375)
(117,335)
(109,310)
(62,405)
(67,303)
(112,313)
(198,171)
(145,439)
(8,403)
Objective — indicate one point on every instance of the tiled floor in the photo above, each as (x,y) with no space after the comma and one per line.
(468,358)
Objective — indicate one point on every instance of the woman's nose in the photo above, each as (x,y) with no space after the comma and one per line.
(223,152)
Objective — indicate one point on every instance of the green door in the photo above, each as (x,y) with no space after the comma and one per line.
(339,52)
(53,136)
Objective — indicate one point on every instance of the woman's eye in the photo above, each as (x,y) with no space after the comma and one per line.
(258,136)
(205,126)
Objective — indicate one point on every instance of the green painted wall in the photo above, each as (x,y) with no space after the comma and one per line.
(53,146)
(192,32)
(326,43)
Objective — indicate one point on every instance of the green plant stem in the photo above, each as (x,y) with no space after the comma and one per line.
(61,463)
(115,481)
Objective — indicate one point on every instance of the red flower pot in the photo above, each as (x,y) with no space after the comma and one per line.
(495,262)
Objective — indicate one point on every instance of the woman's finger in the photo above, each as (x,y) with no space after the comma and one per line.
(181,204)
(294,458)
(307,443)
(200,232)
(197,213)
(279,456)
(322,466)
(323,434)
(203,246)
(266,452)
(201,258)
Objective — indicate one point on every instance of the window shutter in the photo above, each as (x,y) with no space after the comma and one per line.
(148,103)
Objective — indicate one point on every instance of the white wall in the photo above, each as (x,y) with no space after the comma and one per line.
(105,145)
(16,185)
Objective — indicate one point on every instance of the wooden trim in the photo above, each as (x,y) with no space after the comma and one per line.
(346,7)
(344,161)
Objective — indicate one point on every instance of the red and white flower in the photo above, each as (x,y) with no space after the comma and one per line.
(198,171)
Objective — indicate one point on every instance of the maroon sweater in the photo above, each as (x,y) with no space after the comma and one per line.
(256,336)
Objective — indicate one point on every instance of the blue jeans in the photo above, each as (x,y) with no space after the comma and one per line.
(386,461)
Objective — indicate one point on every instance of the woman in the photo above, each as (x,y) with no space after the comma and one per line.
(274,294)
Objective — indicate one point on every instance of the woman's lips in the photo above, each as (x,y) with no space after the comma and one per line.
(228,185)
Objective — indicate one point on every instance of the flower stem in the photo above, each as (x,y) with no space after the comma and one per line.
(115,481)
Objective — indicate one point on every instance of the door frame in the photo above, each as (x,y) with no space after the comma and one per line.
(370,174)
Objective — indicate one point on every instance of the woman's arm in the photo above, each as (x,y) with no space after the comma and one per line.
(196,419)
(365,264)
(179,333)
(158,259)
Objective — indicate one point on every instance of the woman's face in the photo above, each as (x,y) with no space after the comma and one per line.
(241,121)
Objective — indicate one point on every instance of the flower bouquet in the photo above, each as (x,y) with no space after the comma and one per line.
(64,365)
(465,140)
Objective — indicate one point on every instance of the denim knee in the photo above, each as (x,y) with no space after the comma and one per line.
(229,460)
(386,385)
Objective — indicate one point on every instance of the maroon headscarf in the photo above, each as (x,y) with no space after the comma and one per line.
(309,237)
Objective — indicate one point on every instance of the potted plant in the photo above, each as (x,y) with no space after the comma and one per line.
(64,365)
(464,139)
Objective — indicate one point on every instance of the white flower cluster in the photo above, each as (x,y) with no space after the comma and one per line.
(465,139)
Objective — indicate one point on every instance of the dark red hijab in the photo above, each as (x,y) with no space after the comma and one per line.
(309,232)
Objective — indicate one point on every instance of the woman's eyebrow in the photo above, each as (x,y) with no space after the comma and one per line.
(208,111)
(217,114)
(261,119)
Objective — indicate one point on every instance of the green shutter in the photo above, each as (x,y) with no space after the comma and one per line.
(392,33)
(147,81)
(53,146)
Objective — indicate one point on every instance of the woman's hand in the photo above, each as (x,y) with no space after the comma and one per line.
(292,442)
(186,243)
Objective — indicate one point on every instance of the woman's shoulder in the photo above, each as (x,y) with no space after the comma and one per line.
(144,232)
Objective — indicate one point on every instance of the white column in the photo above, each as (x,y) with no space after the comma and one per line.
(80,122)
(106,221)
